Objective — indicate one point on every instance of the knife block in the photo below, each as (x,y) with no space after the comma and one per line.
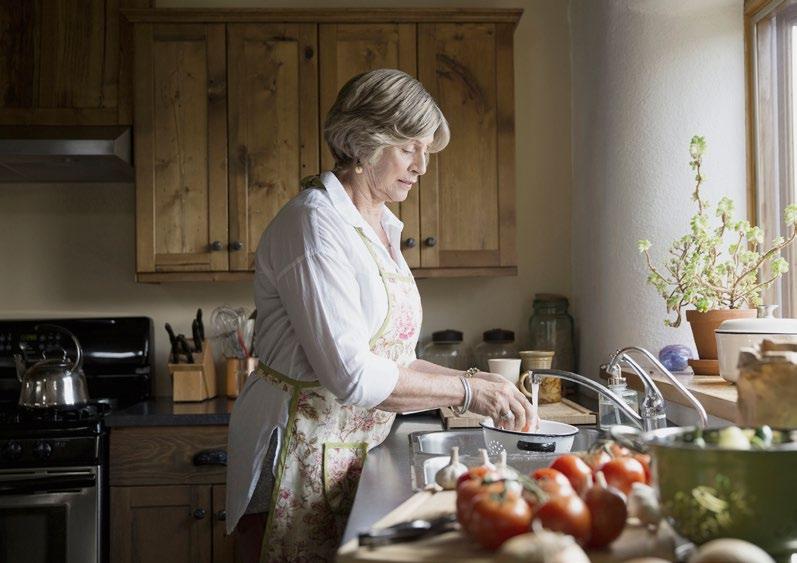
(197,381)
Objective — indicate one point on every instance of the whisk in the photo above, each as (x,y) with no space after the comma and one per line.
(230,328)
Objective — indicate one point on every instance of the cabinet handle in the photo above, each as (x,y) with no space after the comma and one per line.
(216,245)
(430,241)
(308,53)
(200,513)
(236,245)
(210,457)
(410,243)
(221,515)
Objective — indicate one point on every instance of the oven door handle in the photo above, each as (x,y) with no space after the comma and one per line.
(49,484)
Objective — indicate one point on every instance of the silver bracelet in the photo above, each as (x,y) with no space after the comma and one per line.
(468,397)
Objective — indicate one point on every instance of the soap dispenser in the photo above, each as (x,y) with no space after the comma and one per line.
(608,413)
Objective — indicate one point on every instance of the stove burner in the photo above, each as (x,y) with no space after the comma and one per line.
(90,412)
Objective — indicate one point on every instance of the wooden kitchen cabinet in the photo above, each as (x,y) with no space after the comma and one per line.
(229,116)
(61,62)
(166,505)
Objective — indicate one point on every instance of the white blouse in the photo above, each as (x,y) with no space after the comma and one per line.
(319,299)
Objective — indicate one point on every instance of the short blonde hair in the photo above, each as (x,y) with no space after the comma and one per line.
(381,108)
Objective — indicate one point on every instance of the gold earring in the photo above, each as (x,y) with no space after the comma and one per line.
(358,168)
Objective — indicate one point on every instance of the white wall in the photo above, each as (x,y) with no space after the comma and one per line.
(70,249)
(647,75)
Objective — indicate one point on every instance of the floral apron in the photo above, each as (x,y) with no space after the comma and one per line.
(325,445)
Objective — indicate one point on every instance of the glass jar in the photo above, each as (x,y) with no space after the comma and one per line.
(551,328)
(446,349)
(496,343)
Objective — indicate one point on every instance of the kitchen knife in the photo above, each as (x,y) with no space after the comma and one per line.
(197,335)
(174,357)
(186,349)
(200,325)
(408,531)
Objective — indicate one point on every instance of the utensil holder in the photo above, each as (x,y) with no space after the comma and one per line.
(197,381)
(238,369)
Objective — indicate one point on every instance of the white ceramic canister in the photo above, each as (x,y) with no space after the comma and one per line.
(734,334)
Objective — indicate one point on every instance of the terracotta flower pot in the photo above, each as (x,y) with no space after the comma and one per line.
(704,325)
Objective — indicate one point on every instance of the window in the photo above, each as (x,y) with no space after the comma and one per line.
(771,61)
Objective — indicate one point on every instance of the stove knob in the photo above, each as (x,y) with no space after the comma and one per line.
(12,451)
(42,450)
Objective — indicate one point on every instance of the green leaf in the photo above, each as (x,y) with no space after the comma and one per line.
(697,146)
(643,245)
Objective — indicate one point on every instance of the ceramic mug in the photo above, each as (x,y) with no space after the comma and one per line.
(507,367)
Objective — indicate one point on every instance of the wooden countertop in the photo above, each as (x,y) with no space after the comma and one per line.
(717,395)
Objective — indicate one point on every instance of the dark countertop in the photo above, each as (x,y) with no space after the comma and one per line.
(162,411)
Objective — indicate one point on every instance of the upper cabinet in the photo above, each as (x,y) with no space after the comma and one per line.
(229,110)
(62,63)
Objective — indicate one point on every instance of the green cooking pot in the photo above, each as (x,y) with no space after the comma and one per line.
(712,492)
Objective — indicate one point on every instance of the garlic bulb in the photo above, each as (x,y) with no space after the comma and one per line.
(730,551)
(502,470)
(448,475)
(643,505)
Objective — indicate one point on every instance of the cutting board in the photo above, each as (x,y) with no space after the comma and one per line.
(635,541)
(564,411)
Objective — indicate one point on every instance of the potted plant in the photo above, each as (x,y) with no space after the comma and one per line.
(719,269)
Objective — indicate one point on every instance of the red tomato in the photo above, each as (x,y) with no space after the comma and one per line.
(497,516)
(597,458)
(644,459)
(466,490)
(608,511)
(553,482)
(567,514)
(576,470)
(622,472)
(474,473)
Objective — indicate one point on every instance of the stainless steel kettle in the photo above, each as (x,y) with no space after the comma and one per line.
(52,382)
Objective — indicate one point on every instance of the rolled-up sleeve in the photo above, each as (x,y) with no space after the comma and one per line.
(321,296)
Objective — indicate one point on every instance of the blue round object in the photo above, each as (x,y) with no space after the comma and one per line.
(675,357)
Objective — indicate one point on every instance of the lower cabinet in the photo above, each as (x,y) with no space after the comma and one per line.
(167,496)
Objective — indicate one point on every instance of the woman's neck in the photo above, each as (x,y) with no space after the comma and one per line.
(362,196)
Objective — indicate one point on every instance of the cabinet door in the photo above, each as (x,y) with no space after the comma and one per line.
(171,523)
(468,192)
(223,545)
(181,147)
(59,64)
(273,121)
(350,49)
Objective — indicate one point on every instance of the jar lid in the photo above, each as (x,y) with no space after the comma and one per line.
(448,335)
(498,335)
(764,323)
(549,299)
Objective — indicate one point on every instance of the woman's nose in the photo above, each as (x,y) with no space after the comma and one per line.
(419,163)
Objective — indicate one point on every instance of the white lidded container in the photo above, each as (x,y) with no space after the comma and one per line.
(735,334)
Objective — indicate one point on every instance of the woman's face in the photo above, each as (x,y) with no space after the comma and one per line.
(395,173)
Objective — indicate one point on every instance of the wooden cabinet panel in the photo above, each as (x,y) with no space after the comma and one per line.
(172,523)
(273,123)
(164,455)
(467,198)
(60,61)
(181,147)
(224,547)
(350,49)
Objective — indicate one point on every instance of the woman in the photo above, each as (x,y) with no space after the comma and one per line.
(338,320)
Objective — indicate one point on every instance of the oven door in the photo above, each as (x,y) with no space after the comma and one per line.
(50,515)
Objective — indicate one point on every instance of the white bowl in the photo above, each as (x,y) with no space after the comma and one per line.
(552,437)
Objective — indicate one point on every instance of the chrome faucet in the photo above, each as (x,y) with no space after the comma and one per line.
(623,356)
(652,413)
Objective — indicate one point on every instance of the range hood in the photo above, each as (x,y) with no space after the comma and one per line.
(65,154)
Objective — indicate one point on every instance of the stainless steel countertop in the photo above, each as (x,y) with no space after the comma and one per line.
(386,479)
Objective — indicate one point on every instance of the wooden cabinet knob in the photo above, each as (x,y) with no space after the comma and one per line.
(410,242)
(216,245)
(430,241)
(200,513)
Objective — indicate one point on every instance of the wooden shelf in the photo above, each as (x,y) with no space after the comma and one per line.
(717,395)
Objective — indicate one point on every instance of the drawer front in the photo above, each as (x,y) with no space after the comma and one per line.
(164,455)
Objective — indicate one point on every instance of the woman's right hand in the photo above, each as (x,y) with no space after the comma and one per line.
(495,396)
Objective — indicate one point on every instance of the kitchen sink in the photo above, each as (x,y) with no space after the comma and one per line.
(431,450)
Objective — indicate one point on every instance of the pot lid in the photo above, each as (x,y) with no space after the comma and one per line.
(765,323)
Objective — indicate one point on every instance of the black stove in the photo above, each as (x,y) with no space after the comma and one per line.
(54,462)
